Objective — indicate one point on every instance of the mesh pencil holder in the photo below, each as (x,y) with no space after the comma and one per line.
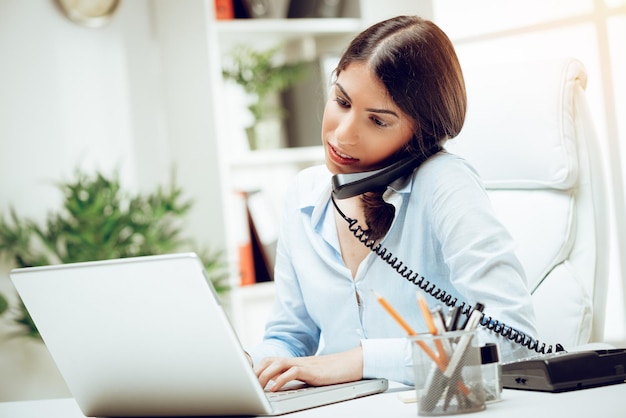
(448,376)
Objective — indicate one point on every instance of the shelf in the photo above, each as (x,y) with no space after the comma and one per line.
(286,28)
(299,155)
(267,32)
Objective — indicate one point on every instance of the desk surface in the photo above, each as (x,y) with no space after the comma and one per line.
(605,402)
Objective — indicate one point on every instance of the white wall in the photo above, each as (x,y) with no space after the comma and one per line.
(130,96)
(64,105)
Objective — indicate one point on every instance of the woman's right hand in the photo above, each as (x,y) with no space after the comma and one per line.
(314,370)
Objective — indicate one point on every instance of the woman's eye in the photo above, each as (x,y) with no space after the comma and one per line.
(378,122)
(342,102)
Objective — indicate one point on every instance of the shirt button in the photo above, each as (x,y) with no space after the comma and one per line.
(359,332)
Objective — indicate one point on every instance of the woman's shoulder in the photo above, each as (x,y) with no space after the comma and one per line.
(445,175)
(445,164)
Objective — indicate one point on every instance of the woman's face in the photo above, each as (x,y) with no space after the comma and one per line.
(362,126)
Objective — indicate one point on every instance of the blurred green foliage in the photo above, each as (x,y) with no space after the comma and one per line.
(260,75)
(100,221)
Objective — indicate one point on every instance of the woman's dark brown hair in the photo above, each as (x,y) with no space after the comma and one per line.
(416,61)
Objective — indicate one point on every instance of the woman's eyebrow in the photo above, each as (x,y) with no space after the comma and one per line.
(387,111)
(369,109)
(343,91)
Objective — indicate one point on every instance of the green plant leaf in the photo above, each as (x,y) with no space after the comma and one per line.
(98,220)
(4,305)
(260,74)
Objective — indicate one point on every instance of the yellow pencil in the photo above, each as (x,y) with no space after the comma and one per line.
(407,328)
(432,328)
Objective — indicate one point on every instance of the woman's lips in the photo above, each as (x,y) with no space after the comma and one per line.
(339,157)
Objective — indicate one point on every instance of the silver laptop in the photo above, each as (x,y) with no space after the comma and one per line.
(147,336)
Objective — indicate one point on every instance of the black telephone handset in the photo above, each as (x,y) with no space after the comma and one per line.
(353,184)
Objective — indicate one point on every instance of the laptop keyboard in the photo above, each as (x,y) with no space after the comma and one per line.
(282,394)
(291,389)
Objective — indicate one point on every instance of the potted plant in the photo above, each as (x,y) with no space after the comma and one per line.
(100,221)
(263,77)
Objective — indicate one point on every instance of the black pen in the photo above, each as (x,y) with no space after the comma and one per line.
(472,323)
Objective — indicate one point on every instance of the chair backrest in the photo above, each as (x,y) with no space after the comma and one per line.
(529,134)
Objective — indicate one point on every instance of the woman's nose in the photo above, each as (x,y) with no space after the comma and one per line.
(347,132)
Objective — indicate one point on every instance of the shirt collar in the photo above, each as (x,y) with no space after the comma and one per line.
(314,201)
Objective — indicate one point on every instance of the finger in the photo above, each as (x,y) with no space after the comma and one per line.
(261,369)
(270,370)
(285,377)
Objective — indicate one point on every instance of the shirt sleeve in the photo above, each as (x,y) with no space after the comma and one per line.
(290,331)
(480,254)
(390,358)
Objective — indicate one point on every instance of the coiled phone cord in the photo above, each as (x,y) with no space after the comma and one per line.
(466,309)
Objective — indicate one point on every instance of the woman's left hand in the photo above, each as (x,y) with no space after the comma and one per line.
(315,370)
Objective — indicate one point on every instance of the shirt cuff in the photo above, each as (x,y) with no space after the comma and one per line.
(390,358)
(267,348)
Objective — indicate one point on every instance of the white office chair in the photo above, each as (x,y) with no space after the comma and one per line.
(529,135)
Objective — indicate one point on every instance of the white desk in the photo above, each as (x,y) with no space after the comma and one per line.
(603,402)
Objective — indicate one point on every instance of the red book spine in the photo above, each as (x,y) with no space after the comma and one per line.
(224,10)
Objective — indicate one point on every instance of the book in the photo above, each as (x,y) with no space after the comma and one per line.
(224,10)
(263,234)
(243,238)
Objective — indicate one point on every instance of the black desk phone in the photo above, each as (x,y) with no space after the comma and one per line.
(566,371)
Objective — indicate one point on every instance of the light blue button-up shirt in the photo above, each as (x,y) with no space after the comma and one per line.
(444,229)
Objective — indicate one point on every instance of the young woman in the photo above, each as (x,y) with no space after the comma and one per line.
(398,91)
